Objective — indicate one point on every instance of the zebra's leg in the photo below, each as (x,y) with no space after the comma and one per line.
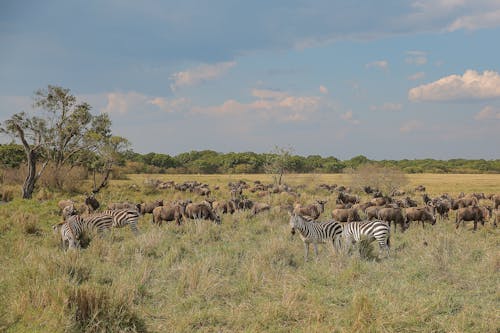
(315,246)
(133,227)
(306,250)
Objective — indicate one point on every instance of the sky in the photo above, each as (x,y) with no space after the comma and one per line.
(389,79)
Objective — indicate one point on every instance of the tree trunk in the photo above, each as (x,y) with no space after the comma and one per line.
(29,182)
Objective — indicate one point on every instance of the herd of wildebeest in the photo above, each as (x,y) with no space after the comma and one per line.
(399,208)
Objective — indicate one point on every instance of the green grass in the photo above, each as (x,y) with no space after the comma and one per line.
(247,275)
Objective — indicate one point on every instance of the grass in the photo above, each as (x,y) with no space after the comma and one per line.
(247,275)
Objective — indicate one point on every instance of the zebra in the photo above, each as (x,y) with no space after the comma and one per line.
(378,230)
(315,232)
(75,225)
(122,217)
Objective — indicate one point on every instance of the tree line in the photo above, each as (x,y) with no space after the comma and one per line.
(212,162)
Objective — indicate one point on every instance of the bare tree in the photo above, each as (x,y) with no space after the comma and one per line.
(277,162)
(386,179)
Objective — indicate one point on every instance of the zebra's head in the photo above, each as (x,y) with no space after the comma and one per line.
(295,222)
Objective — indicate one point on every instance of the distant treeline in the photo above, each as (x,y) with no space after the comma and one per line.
(212,162)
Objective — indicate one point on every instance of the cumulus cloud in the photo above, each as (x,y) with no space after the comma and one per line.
(411,126)
(470,86)
(488,112)
(200,74)
(349,117)
(387,107)
(383,64)
(416,76)
(323,90)
(122,103)
(416,57)
(269,104)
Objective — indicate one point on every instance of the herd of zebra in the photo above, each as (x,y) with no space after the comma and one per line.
(352,221)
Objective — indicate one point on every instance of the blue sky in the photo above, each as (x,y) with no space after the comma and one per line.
(386,79)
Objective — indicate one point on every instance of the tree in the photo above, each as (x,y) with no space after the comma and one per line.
(278,162)
(386,179)
(62,135)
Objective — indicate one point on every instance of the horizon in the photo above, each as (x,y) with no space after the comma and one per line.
(417,79)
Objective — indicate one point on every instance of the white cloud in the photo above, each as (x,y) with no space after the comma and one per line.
(323,90)
(416,57)
(416,76)
(411,126)
(200,74)
(383,64)
(122,103)
(349,117)
(471,85)
(269,104)
(488,112)
(387,107)
(477,21)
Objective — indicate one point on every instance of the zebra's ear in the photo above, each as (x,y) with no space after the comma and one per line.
(289,213)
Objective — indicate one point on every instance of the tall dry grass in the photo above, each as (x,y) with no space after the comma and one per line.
(247,275)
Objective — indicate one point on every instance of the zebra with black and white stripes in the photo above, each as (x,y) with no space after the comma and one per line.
(123,217)
(315,232)
(76,225)
(378,230)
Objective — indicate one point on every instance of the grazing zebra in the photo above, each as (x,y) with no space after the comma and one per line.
(315,232)
(122,217)
(352,232)
(76,225)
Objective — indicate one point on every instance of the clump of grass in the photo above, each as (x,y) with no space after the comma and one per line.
(29,223)
(95,309)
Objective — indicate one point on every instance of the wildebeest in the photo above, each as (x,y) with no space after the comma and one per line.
(395,215)
(372,212)
(442,207)
(123,205)
(169,212)
(380,201)
(201,211)
(420,188)
(259,207)
(346,215)
(313,210)
(92,203)
(473,213)
(345,198)
(421,214)
(496,200)
(464,202)
(147,208)
(224,206)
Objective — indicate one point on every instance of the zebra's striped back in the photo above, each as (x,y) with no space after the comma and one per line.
(315,232)
(123,217)
(76,225)
(372,230)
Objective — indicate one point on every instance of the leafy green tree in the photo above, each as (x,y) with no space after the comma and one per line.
(278,162)
(61,134)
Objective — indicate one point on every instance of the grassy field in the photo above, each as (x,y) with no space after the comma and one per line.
(248,274)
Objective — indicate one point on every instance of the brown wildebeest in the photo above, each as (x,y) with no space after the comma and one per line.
(345,198)
(170,212)
(421,214)
(420,188)
(224,206)
(464,202)
(496,200)
(395,215)
(346,215)
(259,207)
(201,211)
(147,208)
(473,213)
(362,206)
(372,212)
(123,205)
(443,207)
(381,201)
(312,210)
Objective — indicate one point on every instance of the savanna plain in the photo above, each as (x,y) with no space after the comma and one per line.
(247,274)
